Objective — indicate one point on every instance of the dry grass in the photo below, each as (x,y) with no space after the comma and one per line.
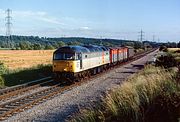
(173,49)
(175,53)
(15,59)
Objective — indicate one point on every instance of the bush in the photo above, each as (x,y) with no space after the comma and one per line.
(163,48)
(3,69)
(166,61)
(1,81)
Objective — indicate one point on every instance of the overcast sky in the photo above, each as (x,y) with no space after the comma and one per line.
(119,19)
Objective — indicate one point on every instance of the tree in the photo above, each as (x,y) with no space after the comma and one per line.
(49,47)
(129,44)
(178,45)
(25,45)
(167,60)
(74,43)
(163,48)
(60,43)
(37,46)
(137,45)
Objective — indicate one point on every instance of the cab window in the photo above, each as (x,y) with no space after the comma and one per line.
(78,56)
(64,56)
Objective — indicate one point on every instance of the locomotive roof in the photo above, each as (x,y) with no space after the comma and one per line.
(104,48)
(72,49)
(83,49)
(94,48)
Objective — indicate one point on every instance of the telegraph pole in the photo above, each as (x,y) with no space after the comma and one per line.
(8,26)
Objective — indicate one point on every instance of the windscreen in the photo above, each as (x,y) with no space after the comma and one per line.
(64,56)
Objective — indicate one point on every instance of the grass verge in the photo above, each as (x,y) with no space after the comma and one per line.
(153,94)
(20,76)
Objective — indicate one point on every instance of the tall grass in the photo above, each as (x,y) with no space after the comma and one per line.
(3,70)
(135,100)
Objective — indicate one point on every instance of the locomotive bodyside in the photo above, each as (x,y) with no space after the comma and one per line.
(78,61)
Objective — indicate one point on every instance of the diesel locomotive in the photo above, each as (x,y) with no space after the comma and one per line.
(74,63)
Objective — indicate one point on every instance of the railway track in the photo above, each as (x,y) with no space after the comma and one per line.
(20,89)
(18,105)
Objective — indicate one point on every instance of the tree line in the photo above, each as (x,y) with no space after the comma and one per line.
(39,43)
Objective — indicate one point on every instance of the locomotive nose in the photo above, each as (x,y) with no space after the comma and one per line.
(63,66)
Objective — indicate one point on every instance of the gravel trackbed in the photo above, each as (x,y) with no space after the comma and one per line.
(66,104)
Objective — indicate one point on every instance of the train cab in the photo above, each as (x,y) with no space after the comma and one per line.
(68,58)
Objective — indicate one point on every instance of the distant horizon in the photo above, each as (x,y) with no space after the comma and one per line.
(91,38)
(72,37)
(94,19)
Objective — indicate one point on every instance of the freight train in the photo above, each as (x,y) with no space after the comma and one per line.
(74,63)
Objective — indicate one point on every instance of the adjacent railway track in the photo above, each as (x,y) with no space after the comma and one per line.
(13,91)
(17,105)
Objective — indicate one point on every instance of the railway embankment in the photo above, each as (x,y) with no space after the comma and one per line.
(150,95)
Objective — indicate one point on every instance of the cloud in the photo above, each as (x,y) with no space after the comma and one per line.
(85,28)
(41,23)
(37,15)
(2,14)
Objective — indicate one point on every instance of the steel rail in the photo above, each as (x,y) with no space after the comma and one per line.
(14,88)
(22,90)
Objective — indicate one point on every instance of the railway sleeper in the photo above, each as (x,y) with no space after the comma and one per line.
(10,107)
(15,112)
(1,109)
(9,115)
(1,112)
(28,107)
(3,118)
(20,110)
(15,104)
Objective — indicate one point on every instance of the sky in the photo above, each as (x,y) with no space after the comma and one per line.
(117,19)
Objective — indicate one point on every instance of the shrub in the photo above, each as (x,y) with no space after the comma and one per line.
(166,61)
(1,81)
(3,69)
(163,48)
